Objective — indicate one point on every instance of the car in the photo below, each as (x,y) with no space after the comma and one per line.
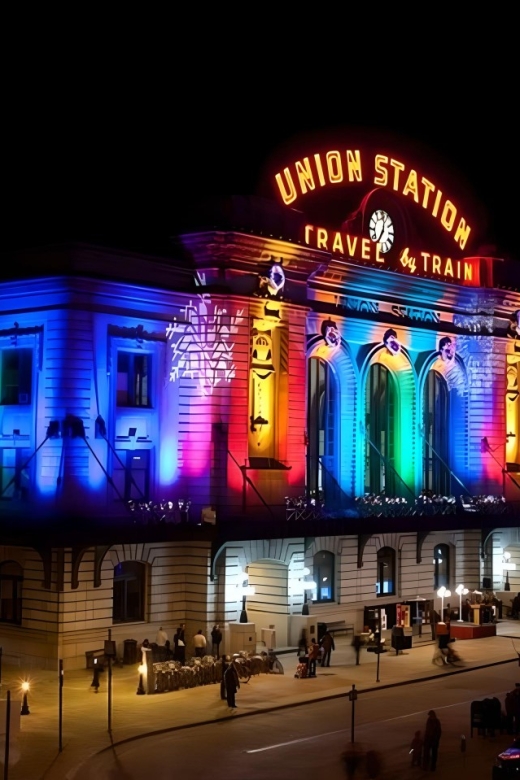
(507,763)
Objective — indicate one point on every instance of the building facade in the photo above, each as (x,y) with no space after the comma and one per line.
(318,414)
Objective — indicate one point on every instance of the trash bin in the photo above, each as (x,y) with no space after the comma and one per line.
(130,651)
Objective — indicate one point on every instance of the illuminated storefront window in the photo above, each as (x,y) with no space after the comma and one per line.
(385,583)
(321,415)
(380,400)
(436,410)
(129,592)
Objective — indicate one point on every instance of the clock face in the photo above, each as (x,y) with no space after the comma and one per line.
(381,230)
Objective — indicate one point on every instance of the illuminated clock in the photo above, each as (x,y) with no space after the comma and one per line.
(381,230)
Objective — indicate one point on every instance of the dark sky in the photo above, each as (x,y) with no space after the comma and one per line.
(124,158)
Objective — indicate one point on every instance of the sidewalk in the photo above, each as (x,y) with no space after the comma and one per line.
(85,713)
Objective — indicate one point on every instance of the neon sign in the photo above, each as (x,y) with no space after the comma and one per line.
(337,168)
(418,262)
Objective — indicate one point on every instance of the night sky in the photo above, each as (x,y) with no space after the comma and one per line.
(127,161)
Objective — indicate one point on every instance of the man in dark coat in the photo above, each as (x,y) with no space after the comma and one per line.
(232,684)
(327,642)
(180,644)
(432,736)
(216,639)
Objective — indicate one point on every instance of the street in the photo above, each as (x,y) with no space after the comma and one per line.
(307,741)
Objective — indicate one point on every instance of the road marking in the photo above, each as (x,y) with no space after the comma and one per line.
(361,726)
(296,741)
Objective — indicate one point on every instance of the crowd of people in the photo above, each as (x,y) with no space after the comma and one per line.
(163,647)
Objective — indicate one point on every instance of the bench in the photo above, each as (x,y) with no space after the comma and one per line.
(338,626)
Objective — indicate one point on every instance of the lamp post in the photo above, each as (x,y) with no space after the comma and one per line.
(247,590)
(506,566)
(25,707)
(60,706)
(140,688)
(443,593)
(462,591)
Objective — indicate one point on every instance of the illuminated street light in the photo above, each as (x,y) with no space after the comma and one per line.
(25,707)
(443,593)
(462,591)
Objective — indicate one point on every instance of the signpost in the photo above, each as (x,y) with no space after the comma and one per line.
(352,697)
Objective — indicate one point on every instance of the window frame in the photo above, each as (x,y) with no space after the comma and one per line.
(330,566)
(131,572)
(385,559)
(16,580)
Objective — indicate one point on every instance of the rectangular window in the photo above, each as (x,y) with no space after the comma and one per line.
(16,376)
(131,474)
(133,379)
(14,473)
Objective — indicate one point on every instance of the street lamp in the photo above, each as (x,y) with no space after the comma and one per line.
(140,688)
(462,591)
(443,593)
(507,566)
(247,590)
(25,707)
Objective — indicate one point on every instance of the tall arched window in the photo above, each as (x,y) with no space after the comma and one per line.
(129,592)
(441,566)
(385,583)
(436,422)
(321,427)
(11,580)
(323,573)
(380,406)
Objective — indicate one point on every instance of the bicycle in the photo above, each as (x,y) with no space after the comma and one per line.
(443,657)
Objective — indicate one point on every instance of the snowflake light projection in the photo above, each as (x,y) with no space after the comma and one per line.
(201,343)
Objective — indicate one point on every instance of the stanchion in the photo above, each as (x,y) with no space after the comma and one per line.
(60,706)
(352,697)
(7,734)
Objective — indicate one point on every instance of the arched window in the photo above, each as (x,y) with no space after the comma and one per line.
(129,592)
(436,422)
(380,400)
(323,573)
(11,579)
(321,427)
(441,566)
(385,583)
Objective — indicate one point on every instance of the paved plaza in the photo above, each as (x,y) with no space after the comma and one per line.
(85,719)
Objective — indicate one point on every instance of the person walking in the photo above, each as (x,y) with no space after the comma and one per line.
(432,736)
(416,749)
(199,642)
(232,684)
(216,639)
(327,643)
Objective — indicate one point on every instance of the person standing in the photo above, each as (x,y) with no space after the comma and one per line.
(199,642)
(232,684)
(314,652)
(432,736)
(179,644)
(216,639)
(161,638)
(327,643)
